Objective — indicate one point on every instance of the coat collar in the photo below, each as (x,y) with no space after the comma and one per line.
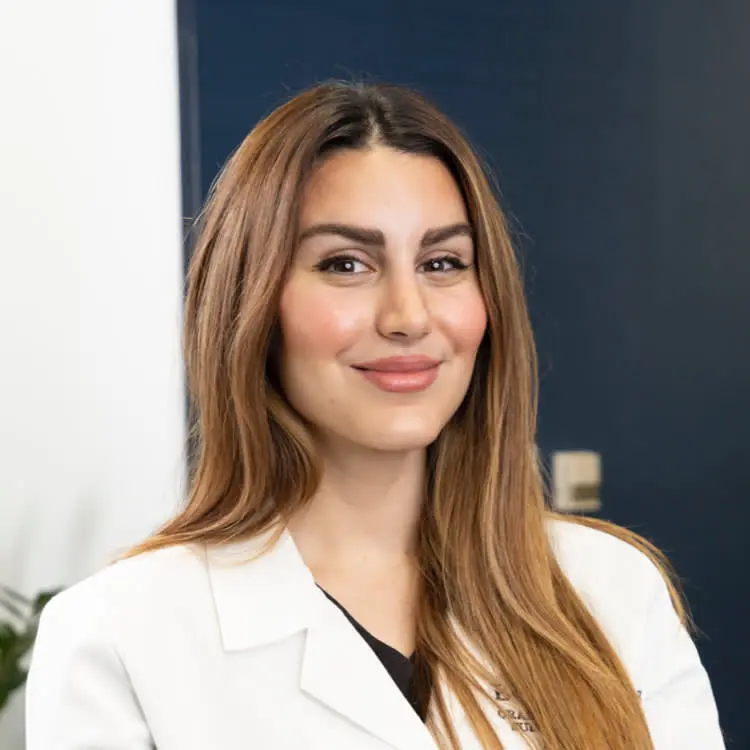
(265,594)
(262,596)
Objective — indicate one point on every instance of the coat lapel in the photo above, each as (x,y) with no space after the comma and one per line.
(264,592)
(341,671)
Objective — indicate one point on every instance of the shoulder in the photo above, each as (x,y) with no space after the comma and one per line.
(629,597)
(593,555)
(129,592)
(617,582)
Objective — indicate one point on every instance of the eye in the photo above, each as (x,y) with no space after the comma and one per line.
(344,265)
(444,264)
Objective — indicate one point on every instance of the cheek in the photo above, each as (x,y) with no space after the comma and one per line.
(316,322)
(464,319)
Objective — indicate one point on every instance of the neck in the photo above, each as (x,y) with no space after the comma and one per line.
(366,509)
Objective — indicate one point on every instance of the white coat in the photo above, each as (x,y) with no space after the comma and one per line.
(184,649)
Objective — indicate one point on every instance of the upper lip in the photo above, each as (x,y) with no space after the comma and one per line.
(399,364)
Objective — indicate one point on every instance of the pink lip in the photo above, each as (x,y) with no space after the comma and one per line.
(400,374)
(399,364)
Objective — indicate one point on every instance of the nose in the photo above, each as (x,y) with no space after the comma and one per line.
(403,313)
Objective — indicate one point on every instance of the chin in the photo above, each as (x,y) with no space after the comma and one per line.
(399,438)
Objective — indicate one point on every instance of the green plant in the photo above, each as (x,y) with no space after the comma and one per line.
(17,635)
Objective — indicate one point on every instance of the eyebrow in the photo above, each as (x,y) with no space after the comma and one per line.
(375,238)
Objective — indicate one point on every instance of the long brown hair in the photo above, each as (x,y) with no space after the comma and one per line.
(496,611)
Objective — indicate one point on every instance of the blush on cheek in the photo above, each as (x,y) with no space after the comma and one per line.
(480,323)
(466,319)
(317,321)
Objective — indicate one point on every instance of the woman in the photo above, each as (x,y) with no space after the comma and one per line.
(365,560)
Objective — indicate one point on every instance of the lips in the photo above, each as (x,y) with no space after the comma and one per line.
(400,374)
(399,364)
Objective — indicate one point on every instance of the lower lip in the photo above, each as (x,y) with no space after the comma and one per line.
(401,382)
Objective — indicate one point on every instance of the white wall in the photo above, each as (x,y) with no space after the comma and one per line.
(91,392)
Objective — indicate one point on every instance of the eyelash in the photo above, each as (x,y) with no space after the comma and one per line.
(327,264)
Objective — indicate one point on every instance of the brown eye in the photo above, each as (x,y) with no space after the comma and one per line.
(343,265)
(444,264)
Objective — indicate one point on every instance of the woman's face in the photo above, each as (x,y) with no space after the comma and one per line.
(381,316)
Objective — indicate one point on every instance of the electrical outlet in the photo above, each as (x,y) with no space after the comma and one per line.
(576,481)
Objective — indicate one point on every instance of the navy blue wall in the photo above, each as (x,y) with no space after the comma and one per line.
(619,133)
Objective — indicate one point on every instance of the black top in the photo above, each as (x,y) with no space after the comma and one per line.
(399,667)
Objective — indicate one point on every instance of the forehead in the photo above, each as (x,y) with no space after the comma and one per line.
(379,187)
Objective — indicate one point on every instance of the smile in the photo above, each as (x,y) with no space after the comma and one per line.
(400,374)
